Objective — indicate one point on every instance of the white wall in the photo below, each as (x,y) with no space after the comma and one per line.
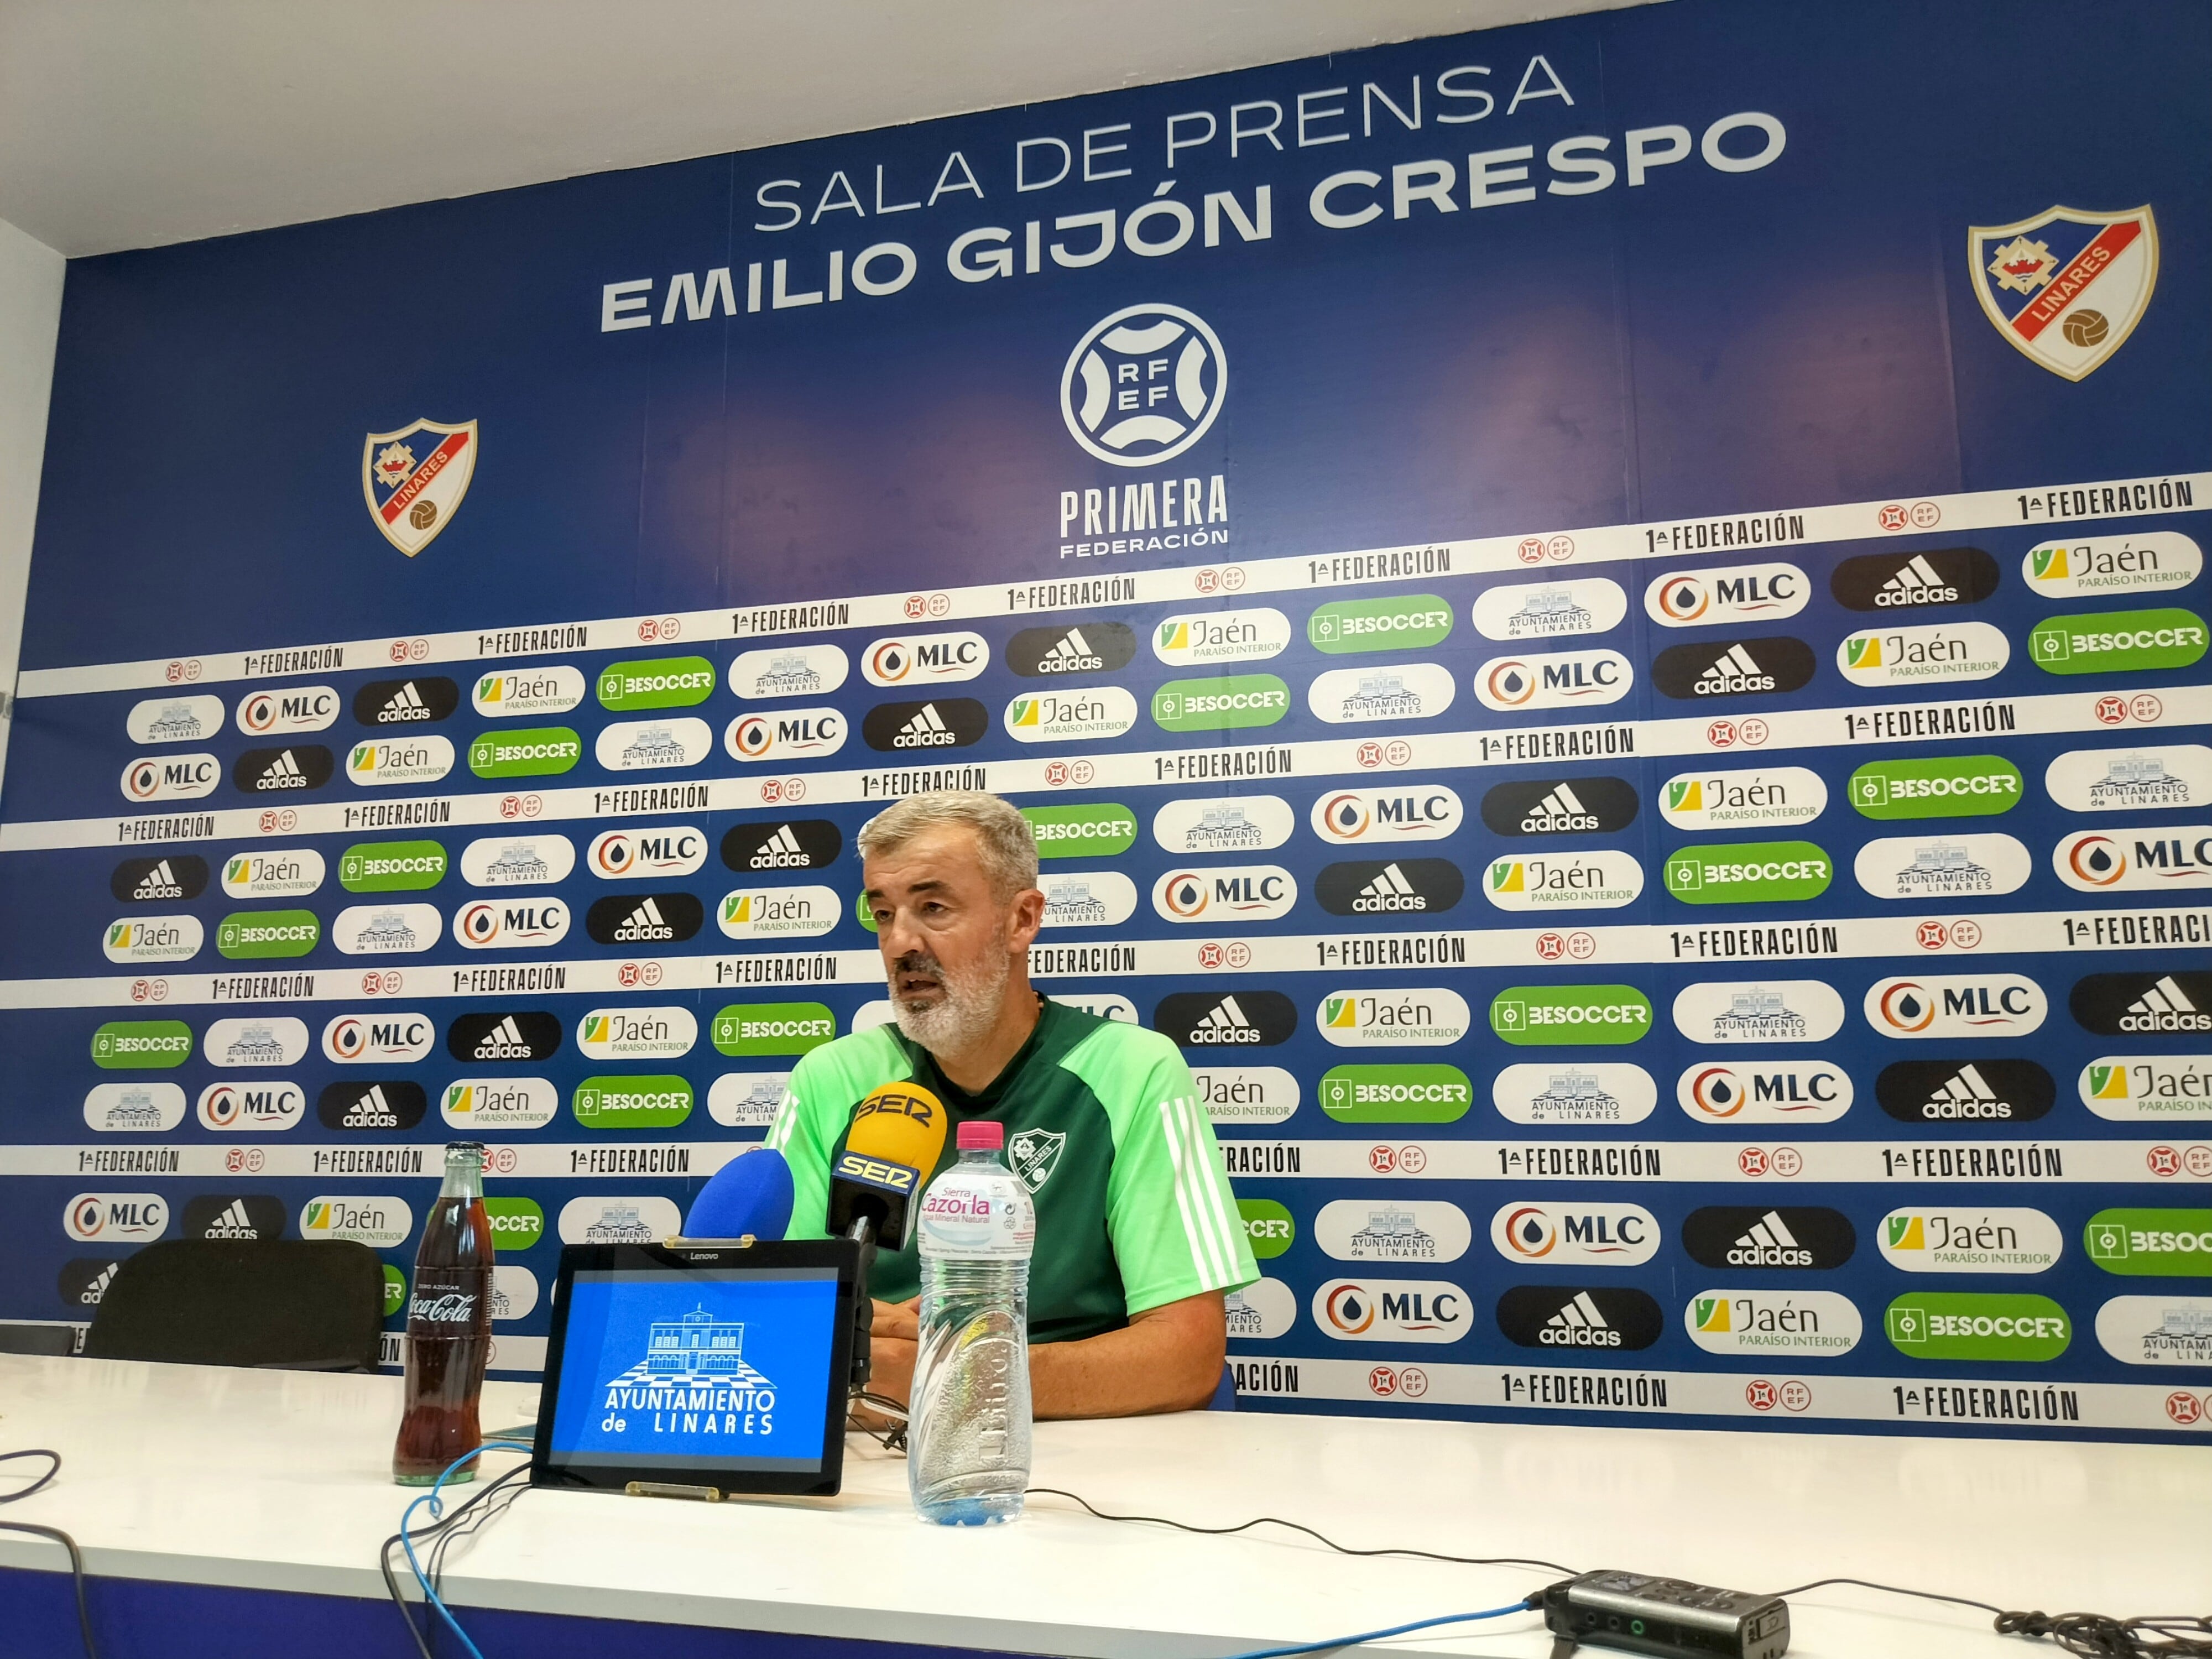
(30,320)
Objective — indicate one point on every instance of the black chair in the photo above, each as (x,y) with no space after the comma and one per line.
(283,1305)
(29,1338)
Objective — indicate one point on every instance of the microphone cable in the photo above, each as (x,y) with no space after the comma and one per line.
(75,1555)
(444,1528)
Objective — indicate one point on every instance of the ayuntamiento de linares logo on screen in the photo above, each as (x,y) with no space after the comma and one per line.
(693,1380)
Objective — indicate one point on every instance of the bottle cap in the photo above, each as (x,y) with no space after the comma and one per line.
(981,1136)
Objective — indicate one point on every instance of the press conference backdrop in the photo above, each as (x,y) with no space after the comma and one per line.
(1604,621)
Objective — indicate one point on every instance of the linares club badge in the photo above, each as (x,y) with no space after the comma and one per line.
(2066,288)
(414,479)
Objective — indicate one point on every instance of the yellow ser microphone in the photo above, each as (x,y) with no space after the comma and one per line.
(898,1131)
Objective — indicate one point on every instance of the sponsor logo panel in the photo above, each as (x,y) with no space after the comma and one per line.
(2164,859)
(1598,879)
(778,912)
(2131,779)
(1228,702)
(2157,1330)
(140,1044)
(1759,1010)
(1962,1325)
(366,1039)
(153,939)
(1401,691)
(133,1107)
(1268,1227)
(1765,1091)
(1797,1324)
(174,719)
(172,777)
(1423,1016)
(1791,1237)
(664,918)
(245,935)
(1099,829)
(1955,1005)
(518,860)
(1942,866)
(529,752)
(1563,679)
(388,1103)
(1912,581)
(1390,887)
(1082,715)
(370,930)
(1225,823)
(488,1103)
(1602,1091)
(1970,1239)
(296,708)
(2127,1005)
(1727,800)
(509,1035)
(1560,806)
(659,683)
(924,659)
(387,867)
(264,1041)
(1247,1094)
(1965,786)
(746,1100)
(1391,1310)
(2155,562)
(1199,637)
(258,1106)
(381,1223)
(2163,1243)
(1575,1235)
(788,670)
(742,1029)
(664,1033)
(234,1215)
(1092,648)
(1736,668)
(513,693)
(782,844)
(165,879)
(644,1102)
(1084,899)
(1391,1230)
(1733,593)
(897,727)
(1348,817)
(1202,1019)
(635,1219)
(1395,1094)
(1968,1093)
(2116,642)
(1262,1311)
(1591,1317)
(416,702)
(1748,873)
(295,769)
(1528,611)
(1918,656)
(1239,892)
(2148,1088)
(511,924)
(1547,1015)
(653,745)
(115,1217)
(1407,622)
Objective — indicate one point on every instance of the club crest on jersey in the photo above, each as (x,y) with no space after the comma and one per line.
(2066,288)
(414,479)
(1035,1154)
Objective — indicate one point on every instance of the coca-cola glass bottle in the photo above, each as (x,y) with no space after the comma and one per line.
(448,1326)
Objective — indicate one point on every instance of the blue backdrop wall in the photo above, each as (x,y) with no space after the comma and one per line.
(1603,619)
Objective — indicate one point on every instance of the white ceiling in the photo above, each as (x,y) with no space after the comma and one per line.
(134,123)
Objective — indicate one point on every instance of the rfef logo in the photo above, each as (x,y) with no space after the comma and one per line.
(1144,384)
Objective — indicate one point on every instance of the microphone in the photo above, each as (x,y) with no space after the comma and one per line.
(898,1131)
(751,1194)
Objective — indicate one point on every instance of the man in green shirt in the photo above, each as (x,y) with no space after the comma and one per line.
(1137,1235)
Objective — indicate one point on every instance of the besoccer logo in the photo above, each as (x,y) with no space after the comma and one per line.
(1144,385)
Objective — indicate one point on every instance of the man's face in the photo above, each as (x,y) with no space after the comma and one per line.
(949,942)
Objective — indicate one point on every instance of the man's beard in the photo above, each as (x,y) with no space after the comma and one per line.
(968,1008)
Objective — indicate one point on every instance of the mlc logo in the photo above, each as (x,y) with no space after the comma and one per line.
(1144,385)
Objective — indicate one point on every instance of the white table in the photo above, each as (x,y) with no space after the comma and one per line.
(278,1481)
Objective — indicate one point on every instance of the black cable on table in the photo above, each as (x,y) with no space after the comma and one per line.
(2090,1635)
(1296,1526)
(75,1555)
(437,1529)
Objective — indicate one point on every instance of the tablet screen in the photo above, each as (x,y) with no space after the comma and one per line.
(697,1369)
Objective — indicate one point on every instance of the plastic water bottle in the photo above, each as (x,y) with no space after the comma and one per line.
(968,1432)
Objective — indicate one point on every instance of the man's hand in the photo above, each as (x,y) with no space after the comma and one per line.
(894,1334)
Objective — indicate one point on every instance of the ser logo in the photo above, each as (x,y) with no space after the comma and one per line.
(1143,385)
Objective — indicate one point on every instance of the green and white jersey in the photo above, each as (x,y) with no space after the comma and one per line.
(1103,1123)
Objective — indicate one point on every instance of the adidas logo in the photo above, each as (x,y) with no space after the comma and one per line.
(283,773)
(781,851)
(1389,890)
(90,1294)
(233,1223)
(1733,670)
(505,1042)
(405,704)
(158,882)
(1916,583)
(2165,1007)
(646,922)
(1578,1324)
(1070,654)
(1966,1094)
(1558,811)
(926,730)
(1225,1022)
(371,1111)
(1769,1243)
